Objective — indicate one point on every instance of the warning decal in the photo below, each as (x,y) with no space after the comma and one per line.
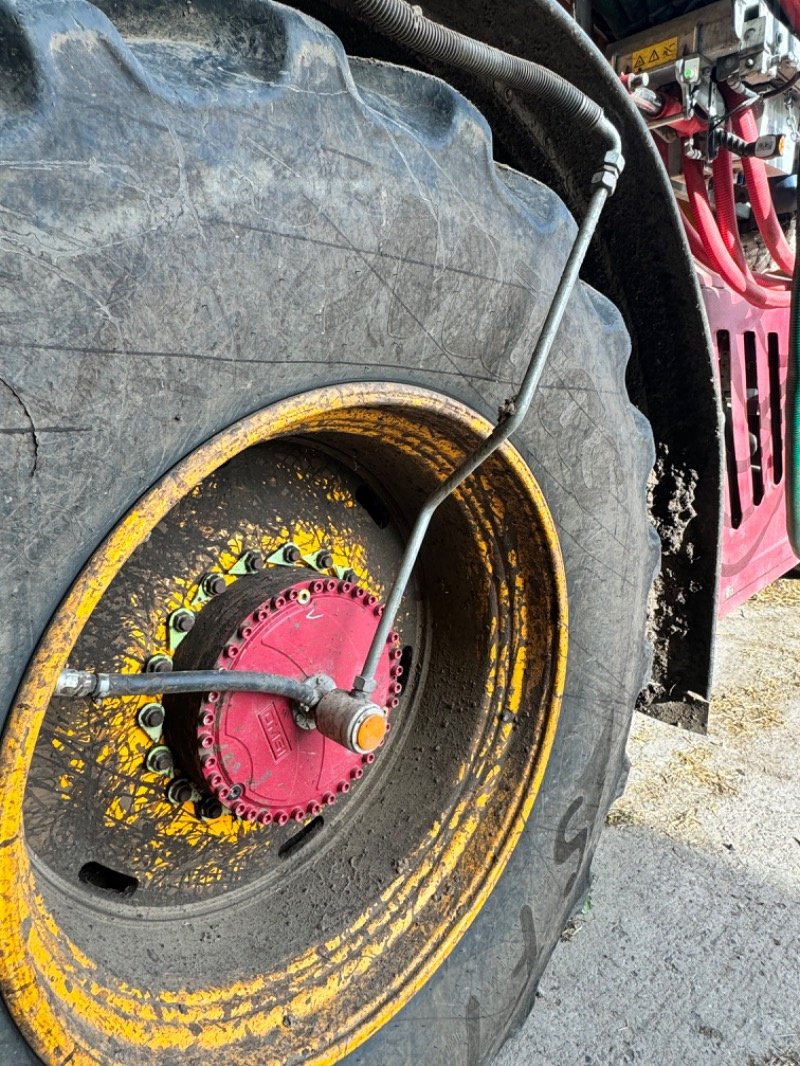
(654,55)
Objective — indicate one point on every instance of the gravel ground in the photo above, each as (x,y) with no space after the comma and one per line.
(688,952)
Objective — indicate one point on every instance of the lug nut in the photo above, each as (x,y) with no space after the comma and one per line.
(351,576)
(291,553)
(209,807)
(159,760)
(151,716)
(158,664)
(253,562)
(324,559)
(213,584)
(180,792)
(182,621)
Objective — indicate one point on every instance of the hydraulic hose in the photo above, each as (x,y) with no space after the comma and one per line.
(729,231)
(726,207)
(755,173)
(717,255)
(409,27)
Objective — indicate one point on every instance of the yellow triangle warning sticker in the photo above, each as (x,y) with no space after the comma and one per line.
(654,55)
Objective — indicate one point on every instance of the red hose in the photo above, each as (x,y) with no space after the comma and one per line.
(695,244)
(716,254)
(755,173)
(726,207)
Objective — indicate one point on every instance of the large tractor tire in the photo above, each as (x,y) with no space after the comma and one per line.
(258,300)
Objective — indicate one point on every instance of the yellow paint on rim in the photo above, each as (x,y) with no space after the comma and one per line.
(51,985)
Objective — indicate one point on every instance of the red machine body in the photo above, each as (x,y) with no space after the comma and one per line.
(752,347)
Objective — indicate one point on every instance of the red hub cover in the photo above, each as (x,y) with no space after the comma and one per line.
(246,748)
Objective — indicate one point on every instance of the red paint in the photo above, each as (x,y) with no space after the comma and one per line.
(752,347)
(251,742)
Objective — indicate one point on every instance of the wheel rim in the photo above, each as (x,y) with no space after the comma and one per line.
(352,955)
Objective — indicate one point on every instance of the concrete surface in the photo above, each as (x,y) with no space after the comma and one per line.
(690,950)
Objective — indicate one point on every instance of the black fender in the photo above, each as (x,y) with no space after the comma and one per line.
(639,259)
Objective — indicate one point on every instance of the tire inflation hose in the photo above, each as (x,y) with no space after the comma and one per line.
(409,27)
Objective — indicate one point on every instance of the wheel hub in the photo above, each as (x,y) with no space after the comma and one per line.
(255,753)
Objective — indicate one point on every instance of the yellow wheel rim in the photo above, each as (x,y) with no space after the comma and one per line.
(325,1000)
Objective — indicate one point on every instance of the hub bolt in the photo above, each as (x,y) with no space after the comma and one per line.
(158,664)
(151,716)
(291,553)
(182,621)
(351,576)
(253,562)
(213,584)
(324,559)
(180,792)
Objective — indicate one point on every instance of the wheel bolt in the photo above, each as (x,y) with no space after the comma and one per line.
(159,760)
(324,559)
(151,716)
(158,664)
(235,792)
(209,807)
(182,621)
(351,576)
(213,584)
(180,792)
(253,562)
(291,553)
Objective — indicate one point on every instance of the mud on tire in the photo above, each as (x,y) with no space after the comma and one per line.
(209,209)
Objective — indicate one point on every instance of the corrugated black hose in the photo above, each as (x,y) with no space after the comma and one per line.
(409,27)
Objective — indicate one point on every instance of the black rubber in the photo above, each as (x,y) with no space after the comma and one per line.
(215,210)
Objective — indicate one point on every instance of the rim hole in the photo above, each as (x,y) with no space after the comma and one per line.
(296,842)
(103,877)
(373,505)
(406,660)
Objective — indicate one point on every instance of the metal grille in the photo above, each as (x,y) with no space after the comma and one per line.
(752,350)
